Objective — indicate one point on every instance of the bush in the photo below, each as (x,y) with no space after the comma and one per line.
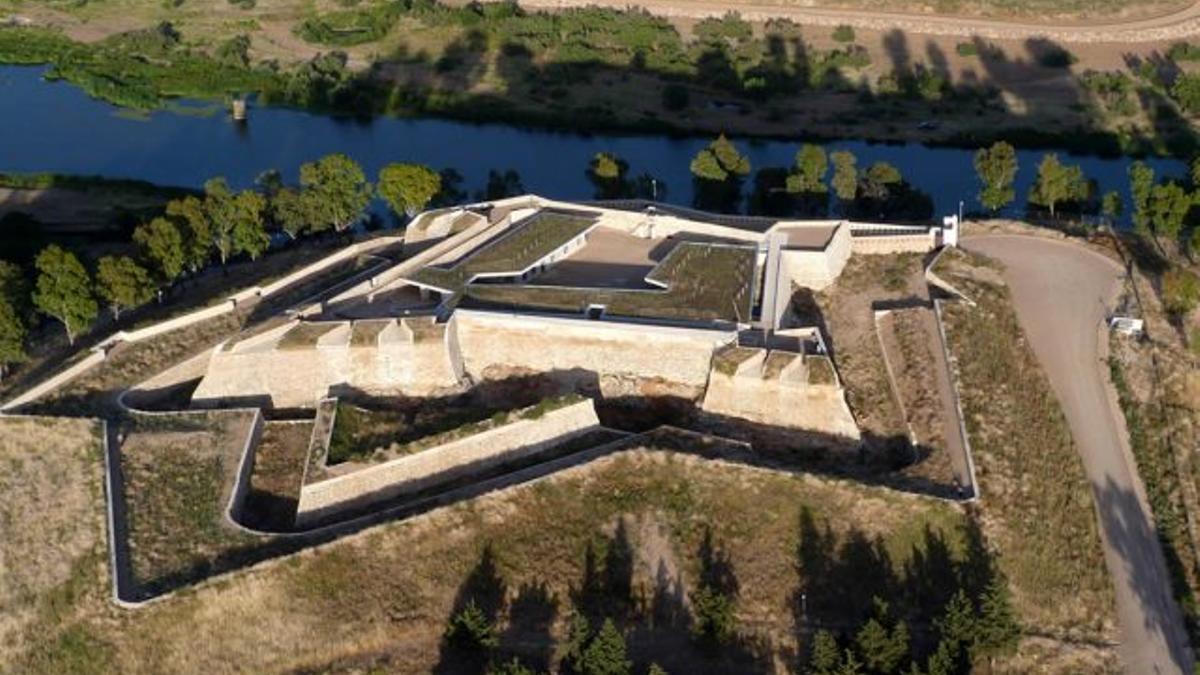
(1180,291)
(967,49)
(1184,51)
(843,33)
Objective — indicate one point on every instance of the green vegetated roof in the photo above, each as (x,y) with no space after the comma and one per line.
(705,282)
(523,245)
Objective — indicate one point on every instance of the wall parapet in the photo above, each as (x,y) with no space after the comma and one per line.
(443,463)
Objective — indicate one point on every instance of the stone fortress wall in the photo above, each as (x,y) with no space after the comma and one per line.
(494,342)
(776,387)
(297,364)
(443,463)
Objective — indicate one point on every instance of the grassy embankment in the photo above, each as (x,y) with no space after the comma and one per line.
(1158,387)
(384,595)
(1033,487)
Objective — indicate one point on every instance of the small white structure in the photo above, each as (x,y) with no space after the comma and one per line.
(950,230)
(1126,325)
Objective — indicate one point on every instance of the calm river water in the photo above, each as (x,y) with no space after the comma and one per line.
(53,126)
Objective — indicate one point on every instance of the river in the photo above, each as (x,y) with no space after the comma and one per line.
(53,126)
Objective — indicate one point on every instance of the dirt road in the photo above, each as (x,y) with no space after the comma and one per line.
(1177,25)
(1061,292)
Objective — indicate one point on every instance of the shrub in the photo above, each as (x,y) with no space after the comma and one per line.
(967,49)
(1180,291)
(843,33)
(1184,51)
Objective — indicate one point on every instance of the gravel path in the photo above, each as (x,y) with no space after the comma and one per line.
(1178,25)
(1062,292)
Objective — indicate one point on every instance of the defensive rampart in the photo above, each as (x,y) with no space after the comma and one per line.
(298,363)
(443,463)
(492,341)
(784,389)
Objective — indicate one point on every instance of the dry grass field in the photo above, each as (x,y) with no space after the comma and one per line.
(52,538)
(1034,490)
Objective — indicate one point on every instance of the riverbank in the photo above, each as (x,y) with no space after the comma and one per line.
(599,70)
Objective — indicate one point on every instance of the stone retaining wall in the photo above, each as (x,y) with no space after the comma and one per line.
(443,463)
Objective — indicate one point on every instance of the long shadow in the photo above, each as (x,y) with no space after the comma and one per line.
(483,590)
(1148,559)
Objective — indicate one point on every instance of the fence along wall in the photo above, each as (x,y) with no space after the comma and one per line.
(443,463)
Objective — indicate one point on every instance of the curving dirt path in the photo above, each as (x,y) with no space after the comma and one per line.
(1177,25)
(1062,293)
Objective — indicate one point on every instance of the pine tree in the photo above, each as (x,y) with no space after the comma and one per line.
(882,650)
(849,665)
(715,622)
(997,630)
(606,653)
(64,290)
(826,655)
(470,630)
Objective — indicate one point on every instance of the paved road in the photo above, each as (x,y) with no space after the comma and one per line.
(1175,25)
(1061,292)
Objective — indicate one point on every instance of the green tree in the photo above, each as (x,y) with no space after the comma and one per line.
(220,212)
(237,220)
(997,169)
(1180,290)
(849,665)
(845,175)
(470,630)
(720,161)
(578,633)
(812,165)
(997,630)
(249,234)
(122,283)
(407,188)
(196,231)
(826,655)
(607,166)
(843,33)
(339,190)
(291,211)
(1186,92)
(1057,183)
(161,244)
(606,654)
(656,669)
(1111,206)
(944,660)
(714,620)
(14,315)
(1141,184)
(607,172)
(882,650)
(1169,206)
(64,290)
